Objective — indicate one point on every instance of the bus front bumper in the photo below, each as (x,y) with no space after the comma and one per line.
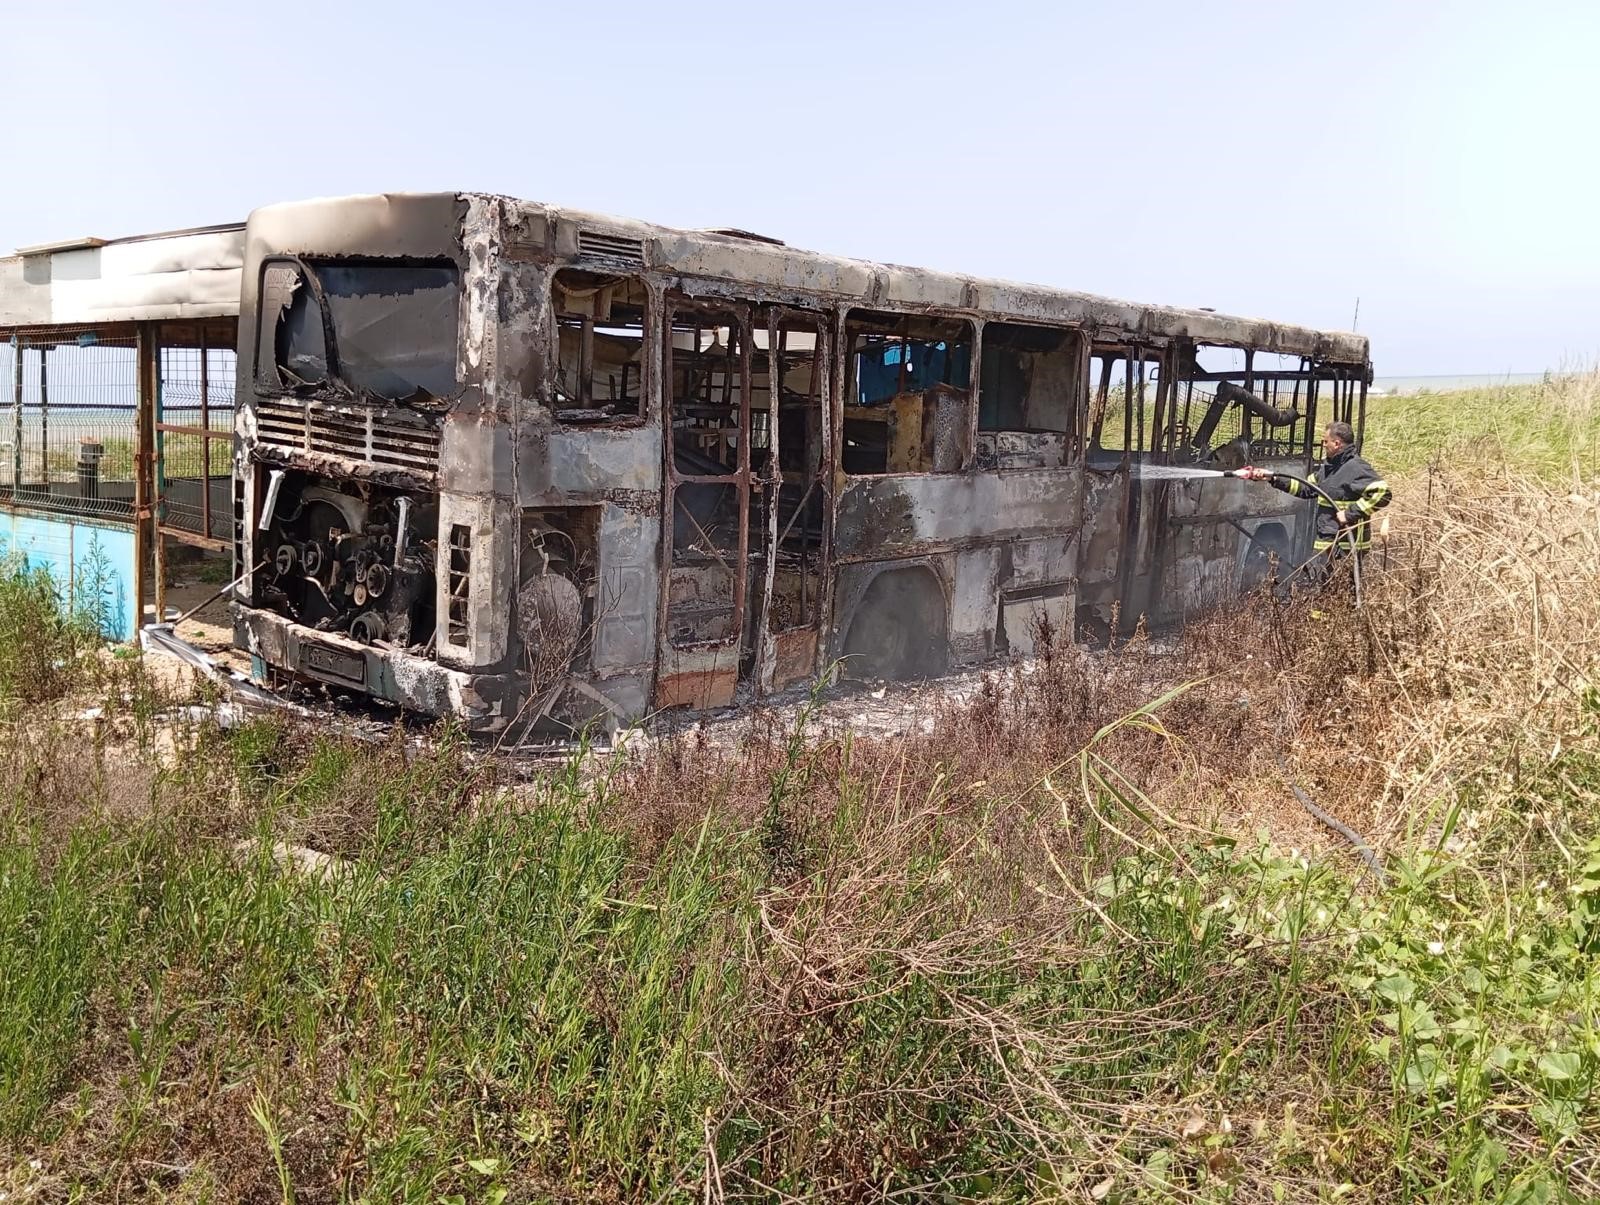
(414,683)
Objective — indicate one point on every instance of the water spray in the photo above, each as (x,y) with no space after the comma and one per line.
(1175,472)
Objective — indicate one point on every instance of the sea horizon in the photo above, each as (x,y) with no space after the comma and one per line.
(1442,381)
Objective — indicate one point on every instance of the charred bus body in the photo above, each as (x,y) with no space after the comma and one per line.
(526,465)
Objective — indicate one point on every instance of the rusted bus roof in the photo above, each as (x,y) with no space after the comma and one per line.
(151,277)
(421,224)
(733,258)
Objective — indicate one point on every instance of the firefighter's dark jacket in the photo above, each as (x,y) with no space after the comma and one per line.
(1353,484)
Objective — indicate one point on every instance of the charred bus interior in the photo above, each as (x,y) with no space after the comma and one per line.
(908,394)
(747,481)
(1027,400)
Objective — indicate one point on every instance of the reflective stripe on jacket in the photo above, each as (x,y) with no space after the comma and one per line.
(1356,488)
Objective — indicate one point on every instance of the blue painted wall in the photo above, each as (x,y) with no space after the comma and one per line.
(92,563)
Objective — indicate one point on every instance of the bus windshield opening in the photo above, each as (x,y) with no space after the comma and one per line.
(393,328)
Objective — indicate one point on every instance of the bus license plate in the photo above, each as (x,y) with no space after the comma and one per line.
(334,665)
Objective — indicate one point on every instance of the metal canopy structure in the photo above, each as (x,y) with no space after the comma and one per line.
(116,417)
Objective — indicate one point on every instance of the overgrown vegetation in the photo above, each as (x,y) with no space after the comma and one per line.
(1550,430)
(1077,942)
(44,641)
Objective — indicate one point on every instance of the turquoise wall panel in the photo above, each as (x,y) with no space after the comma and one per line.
(92,564)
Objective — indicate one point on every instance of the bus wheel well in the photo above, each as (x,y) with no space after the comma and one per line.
(1266,555)
(900,627)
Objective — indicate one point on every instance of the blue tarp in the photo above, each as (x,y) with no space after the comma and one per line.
(878,369)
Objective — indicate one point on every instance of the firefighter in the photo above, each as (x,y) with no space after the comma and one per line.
(1354,487)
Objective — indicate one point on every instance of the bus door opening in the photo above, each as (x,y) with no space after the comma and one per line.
(706,511)
(792,492)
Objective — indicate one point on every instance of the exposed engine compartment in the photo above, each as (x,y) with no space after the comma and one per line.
(350,557)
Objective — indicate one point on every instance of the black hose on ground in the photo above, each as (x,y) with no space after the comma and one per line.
(1356,840)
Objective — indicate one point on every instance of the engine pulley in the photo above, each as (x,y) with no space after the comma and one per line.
(367,627)
(550,615)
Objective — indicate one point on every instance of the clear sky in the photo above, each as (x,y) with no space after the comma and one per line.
(1440,162)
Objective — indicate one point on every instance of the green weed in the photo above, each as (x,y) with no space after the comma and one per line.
(43,645)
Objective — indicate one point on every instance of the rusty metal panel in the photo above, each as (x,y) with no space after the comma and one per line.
(1025,619)
(625,609)
(1100,552)
(558,465)
(1044,559)
(975,581)
(699,677)
(794,656)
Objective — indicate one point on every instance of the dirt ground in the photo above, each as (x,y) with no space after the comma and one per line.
(197,600)
(205,615)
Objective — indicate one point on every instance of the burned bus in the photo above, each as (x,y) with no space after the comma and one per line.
(524,465)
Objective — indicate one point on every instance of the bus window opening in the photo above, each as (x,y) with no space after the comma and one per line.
(600,325)
(1027,396)
(908,398)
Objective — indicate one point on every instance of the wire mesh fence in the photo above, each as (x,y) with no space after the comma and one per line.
(69,421)
(194,429)
(69,428)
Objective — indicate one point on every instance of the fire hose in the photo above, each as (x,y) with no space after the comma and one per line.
(1355,839)
(1245,474)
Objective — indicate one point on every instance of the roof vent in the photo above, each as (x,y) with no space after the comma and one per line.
(615,247)
(735,232)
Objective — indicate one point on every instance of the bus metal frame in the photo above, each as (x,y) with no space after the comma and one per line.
(917,571)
